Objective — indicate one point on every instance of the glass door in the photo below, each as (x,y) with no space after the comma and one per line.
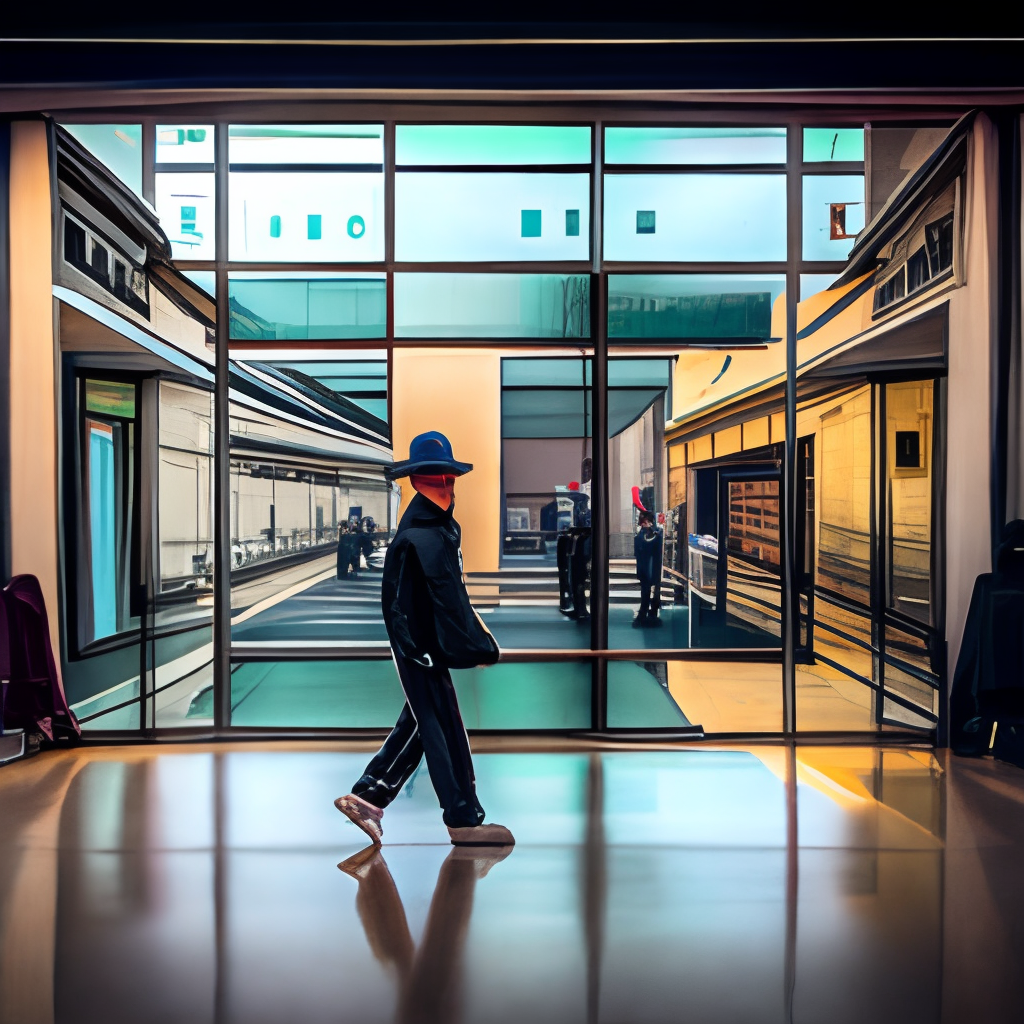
(735,581)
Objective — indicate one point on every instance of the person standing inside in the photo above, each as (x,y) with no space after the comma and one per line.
(432,628)
(647,547)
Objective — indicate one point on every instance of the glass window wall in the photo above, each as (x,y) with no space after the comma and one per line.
(457,216)
(281,306)
(185,204)
(669,145)
(117,146)
(833,214)
(695,217)
(481,144)
(492,306)
(184,144)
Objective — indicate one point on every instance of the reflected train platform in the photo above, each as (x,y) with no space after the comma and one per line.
(770,883)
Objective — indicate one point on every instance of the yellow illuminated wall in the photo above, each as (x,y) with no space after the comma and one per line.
(33,367)
(458,392)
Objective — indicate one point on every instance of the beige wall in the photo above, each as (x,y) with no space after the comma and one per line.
(458,392)
(967,426)
(33,368)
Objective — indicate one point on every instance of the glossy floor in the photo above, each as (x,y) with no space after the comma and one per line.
(195,884)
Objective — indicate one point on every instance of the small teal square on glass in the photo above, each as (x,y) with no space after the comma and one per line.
(530,223)
(645,222)
(313,226)
(275,226)
(572,222)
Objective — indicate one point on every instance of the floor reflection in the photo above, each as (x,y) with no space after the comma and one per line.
(749,884)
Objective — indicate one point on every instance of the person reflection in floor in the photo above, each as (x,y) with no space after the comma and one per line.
(429,978)
(432,628)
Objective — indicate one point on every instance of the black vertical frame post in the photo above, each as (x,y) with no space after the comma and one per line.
(790,577)
(5,355)
(599,446)
(1005,357)
(222,453)
(149,162)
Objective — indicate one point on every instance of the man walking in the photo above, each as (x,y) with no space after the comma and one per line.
(432,628)
(647,548)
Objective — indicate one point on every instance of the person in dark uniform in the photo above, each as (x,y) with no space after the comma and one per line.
(647,547)
(432,628)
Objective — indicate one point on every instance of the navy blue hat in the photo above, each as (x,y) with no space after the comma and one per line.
(431,455)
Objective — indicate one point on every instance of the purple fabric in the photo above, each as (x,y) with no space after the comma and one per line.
(35,697)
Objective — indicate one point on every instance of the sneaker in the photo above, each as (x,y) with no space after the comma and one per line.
(363,815)
(481,835)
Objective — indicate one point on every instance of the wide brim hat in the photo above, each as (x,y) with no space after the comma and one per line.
(430,454)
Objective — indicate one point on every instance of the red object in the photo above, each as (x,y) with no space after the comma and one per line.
(574,485)
(637,503)
(661,518)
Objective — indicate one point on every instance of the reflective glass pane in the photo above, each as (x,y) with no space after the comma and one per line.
(829,699)
(813,284)
(690,217)
(184,144)
(833,211)
(118,146)
(357,378)
(910,699)
(824,144)
(452,144)
(694,528)
(311,511)
(639,696)
(493,216)
(306,144)
(205,279)
(663,145)
(314,217)
(492,306)
(368,694)
(185,205)
(283,306)
(909,412)
(692,306)
(111,398)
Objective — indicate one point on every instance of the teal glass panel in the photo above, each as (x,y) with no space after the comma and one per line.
(464,216)
(313,227)
(530,371)
(572,222)
(639,697)
(184,144)
(454,144)
(825,144)
(118,146)
(364,382)
(530,221)
(492,306)
(812,284)
(102,513)
(205,279)
(664,145)
(367,694)
(271,215)
(110,398)
(300,306)
(692,306)
(185,205)
(306,144)
(833,207)
(700,217)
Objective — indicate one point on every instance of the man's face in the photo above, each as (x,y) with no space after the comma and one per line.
(438,489)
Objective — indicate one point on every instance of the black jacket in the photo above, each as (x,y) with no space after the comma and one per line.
(988,682)
(426,606)
(648,555)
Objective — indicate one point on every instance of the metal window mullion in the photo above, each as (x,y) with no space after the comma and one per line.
(790,589)
(149,162)
(222,452)
(599,504)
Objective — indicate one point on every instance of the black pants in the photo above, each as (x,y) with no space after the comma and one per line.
(650,599)
(430,725)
